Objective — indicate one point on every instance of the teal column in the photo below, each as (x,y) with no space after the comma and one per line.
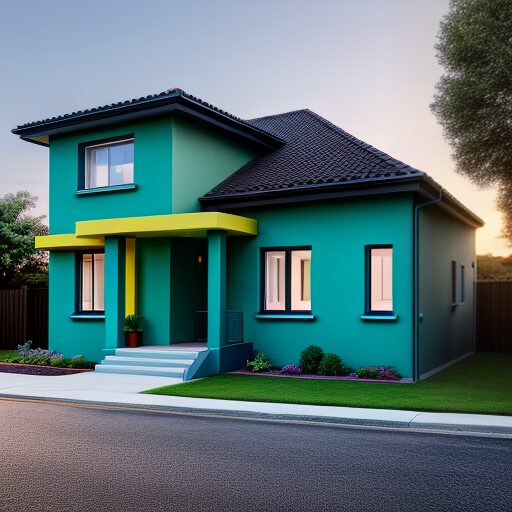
(115,258)
(216,295)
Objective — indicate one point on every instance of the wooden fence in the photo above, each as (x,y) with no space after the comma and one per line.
(494,316)
(23,317)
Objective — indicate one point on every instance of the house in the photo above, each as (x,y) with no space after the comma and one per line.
(270,234)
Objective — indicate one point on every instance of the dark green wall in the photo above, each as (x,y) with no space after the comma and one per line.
(446,332)
(188,286)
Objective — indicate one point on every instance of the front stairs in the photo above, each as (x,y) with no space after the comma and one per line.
(158,363)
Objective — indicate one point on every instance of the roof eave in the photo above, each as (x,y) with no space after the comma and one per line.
(40,133)
(421,185)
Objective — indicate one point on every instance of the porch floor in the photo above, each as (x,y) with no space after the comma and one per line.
(196,347)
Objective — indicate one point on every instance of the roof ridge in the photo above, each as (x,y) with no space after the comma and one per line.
(277,115)
(364,145)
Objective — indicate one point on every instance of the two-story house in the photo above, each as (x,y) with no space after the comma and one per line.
(272,233)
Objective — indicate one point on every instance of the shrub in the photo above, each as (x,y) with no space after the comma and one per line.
(24,349)
(378,372)
(331,365)
(310,359)
(260,363)
(291,369)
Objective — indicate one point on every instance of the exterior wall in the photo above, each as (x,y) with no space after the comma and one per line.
(446,332)
(152,175)
(66,335)
(154,289)
(201,159)
(188,286)
(338,233)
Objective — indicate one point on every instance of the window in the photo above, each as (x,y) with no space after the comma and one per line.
(462,284)
(109,164)
(91,282)
(286,285)
(379,271)
(454,282)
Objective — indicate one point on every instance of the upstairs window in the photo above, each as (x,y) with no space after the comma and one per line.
(286,286)
(379,286)
(109,164)
(91,280)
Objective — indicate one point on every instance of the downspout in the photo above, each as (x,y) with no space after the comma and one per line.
(416,277)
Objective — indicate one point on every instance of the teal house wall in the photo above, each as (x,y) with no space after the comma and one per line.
(314,184)
(446,330)
(338,233)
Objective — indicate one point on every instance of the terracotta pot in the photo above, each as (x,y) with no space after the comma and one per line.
(133,339)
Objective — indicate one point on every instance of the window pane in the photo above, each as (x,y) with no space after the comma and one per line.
(99,282)
(96,172)
(301,280)
(381,279)
(86,293)
(121,164)
(275,280)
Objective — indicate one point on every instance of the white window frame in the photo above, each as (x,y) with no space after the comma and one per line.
(282,280)
(91,282)
(380,279)
(106,145)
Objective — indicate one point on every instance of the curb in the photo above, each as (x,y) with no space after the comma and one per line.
(416,424)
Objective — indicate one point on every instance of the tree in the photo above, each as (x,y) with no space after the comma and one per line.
(20,264)
(473,101)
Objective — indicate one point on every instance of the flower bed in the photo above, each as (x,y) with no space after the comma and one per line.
(39,361)
(33,369)
(277,373)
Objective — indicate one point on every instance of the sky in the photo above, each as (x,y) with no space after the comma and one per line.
(368,66)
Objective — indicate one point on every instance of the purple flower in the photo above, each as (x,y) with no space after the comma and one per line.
(291,369)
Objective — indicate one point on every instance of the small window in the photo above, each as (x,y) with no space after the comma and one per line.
(91,277)
(454,282)
(462,284)
(379,295)
(107,165)
(286,280)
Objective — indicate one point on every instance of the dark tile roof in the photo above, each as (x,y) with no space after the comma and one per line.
(315,153)
(174,92)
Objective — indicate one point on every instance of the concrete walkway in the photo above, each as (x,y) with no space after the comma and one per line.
(124,391)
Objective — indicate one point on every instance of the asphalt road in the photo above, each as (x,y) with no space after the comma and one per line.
(66,458)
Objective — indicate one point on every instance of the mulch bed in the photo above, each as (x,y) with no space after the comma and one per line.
(276,373)
(32,369)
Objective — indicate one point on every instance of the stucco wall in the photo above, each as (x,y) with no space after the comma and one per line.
(201,159)
(446,332)
(71,337)
(338,233)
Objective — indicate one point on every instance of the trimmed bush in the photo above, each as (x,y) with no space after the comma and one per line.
(378,372)
(260,363)
(331,365)
(310,359)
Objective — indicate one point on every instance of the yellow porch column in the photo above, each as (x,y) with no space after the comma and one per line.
(130,298)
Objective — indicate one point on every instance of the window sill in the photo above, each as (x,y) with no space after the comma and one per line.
(104,190)
(87,316)
(388,318)
(264,316)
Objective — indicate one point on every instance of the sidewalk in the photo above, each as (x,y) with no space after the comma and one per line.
(124,391)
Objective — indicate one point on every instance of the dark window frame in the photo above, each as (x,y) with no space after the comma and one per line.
(82,147)
(454,282)
(79,282)
(288,249)
(368,311)
(462,284)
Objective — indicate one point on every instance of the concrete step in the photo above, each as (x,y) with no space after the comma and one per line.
(141,370)
(156,354)
(147,361)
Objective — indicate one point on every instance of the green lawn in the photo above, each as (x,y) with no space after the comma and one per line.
(479,384)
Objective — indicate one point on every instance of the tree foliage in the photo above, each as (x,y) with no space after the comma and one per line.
(473,101)
(494,268)
(20,264)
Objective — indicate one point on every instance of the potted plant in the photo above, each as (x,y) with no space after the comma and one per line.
(133,327)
